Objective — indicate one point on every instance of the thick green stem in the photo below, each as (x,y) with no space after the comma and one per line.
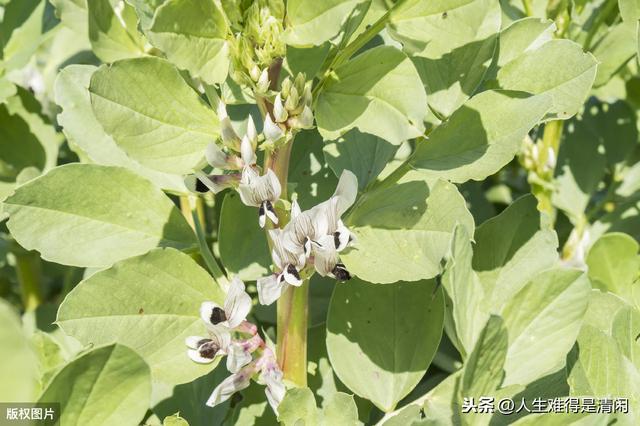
(293,313)
(528,8)
(550,141)
(28,268)
(293,305)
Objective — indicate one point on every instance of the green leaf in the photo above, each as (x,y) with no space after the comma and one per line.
(313,22)
(379,92)
(243,245)
(543,320)
(174,420)
(451,42)
(310,178)
(85,132)
(629,10)
(109,385)
(113,31)
(19,147)
(18,362)
(614,264)
(466,319)
(50,354)
(298,407)
(615,49)
(73,14)
(364,155)
(150,303)
(522,36)
(599,368)
(24,26)
(381,339)
(625,329)
(483,371)
(192,34)
(86,215)
(160,122)
(512,248)
(7,89)
(481,137)
(569,74)
(146,9)
(403,231)
(602,135)
(339,409)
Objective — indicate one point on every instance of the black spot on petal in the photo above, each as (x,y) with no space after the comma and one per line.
(208,349)
(218,315)
(269,206)
(336,239)
(261,210)
(341,273)
(293,271)
(201,187)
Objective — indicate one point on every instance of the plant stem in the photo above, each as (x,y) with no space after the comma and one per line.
(293,305)
(293,312)
(28,268)
(528,8)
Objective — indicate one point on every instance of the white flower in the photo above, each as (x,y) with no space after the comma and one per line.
(271,376)
(202,183)
(229,136)
(262,192)
(288,263)
(237,305)
(263,82)
(232,384)
(203,350)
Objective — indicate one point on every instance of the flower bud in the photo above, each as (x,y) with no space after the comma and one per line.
(285,87)
(252,133)
(255,73)
(263,82)
(279,112)
(292,99)
(272,131)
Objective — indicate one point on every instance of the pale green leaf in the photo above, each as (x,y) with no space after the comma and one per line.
(364,155)
(467,318)
(510,249)
(523,36)
(567,85)
(24,26)
(18,361)
(109,385)
(85,132)
(483,371)
(379,92)
(629,10)
(615,49)
(150,303)
(243,245)
(614,264)
(86,215)
(381,339)
(298,407)
(403,230)
(451,43)
(312,22)
(192,33)
(174,420)
(113,31)
(625,329)
(145,10)
(7,89)
(73,14)
(160,122)
(481,137)
(543,320)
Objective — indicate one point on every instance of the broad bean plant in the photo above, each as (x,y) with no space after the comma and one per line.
(305,212)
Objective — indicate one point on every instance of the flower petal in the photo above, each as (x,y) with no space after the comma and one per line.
(237,357)
(270,289)
(275,389)
(237,304)
(325,255)
(272,132)
(212,313)
(232,384)
(346,191)
(193,341)
(215,156)
(247,153)
(215,183)
(292,276)
(195,356)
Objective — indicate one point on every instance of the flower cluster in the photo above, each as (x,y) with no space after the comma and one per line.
(231,335)
(237,160)
(531,157)
(259,43)
(313,238)
(291,109)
